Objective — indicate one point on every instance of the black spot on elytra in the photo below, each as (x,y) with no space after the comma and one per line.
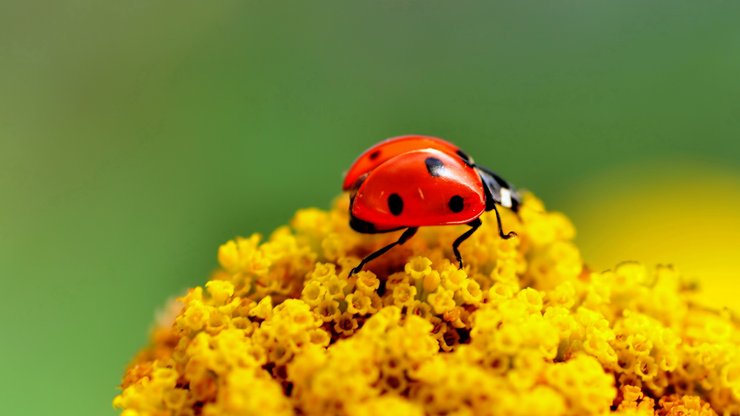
(374,155)
(434,166)
(395,204)
(456,204)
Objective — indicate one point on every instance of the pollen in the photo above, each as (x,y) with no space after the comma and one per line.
(526,328)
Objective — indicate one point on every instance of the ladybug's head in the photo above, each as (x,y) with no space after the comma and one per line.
(498,190)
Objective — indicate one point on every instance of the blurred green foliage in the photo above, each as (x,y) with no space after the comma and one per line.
(137,136)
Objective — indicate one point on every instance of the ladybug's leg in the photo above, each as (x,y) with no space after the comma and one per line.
(370,257)
(473,227)
(501,228)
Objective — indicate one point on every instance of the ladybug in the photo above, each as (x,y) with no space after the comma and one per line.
(408,182)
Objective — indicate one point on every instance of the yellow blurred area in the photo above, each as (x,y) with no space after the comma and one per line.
(685,214)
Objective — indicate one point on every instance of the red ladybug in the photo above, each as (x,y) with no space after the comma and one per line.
(414,181)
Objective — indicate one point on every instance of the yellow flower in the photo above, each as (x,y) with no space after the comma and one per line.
(583,383)
(441,300)
(471,292)
(346,324)
(500,292)
(335,287)
(418,267)
(404,294)
(313,293)
(367,282)
(359,303)
(263,310)
(328,310)
(236,395)
(323,272)
(532,299)
(220,291)
(431,282)
(525,329)
(452,277)
(195,316)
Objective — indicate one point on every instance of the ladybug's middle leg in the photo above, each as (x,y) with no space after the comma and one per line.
(473,227)
(375,254)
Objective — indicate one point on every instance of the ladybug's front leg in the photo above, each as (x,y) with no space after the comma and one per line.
(501,228)
(473,227)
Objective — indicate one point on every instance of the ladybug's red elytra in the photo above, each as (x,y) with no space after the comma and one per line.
(415,181)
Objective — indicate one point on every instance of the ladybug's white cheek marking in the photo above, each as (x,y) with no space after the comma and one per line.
(506,198)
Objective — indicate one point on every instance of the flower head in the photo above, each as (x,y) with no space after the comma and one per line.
(526,328)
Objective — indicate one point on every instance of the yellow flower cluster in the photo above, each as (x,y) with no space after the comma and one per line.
(524,329)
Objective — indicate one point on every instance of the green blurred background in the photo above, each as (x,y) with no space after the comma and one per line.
(137,136)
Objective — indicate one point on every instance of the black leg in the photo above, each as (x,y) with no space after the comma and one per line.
(473,226)
(501,228)
(402,239)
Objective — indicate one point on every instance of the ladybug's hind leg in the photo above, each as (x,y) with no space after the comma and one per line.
(375,254)
(459,240)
